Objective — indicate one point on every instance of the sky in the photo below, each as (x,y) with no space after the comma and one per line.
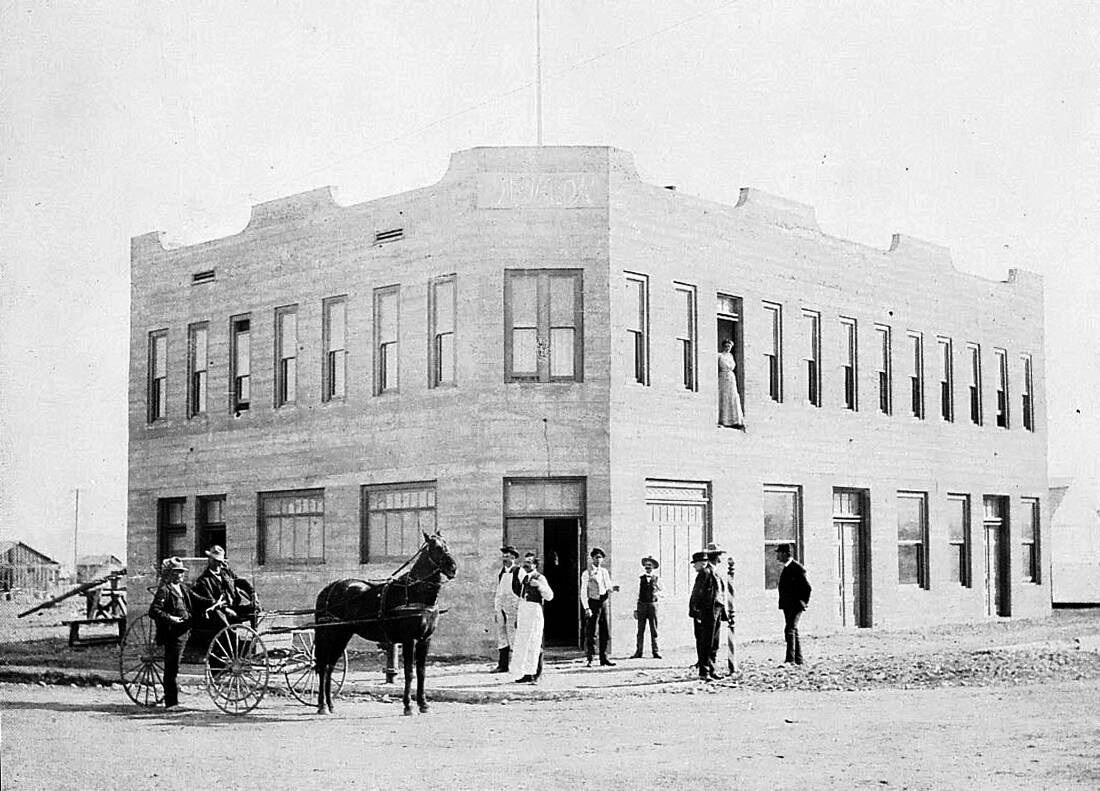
(972,125)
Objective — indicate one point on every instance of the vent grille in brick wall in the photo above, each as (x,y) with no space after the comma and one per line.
(202,277)
(392,235)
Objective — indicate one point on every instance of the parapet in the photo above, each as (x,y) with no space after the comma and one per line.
(766,207)
(303,207)
(147,244)
(921,252)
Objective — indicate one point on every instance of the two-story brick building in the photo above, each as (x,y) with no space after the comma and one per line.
(525,352)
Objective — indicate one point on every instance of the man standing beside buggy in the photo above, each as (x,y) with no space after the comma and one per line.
(221,597)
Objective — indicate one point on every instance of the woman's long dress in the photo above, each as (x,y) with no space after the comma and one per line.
(729,400)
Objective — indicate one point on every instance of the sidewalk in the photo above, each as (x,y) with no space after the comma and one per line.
(464,682)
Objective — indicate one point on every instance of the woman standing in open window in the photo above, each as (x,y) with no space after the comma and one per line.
(729,400)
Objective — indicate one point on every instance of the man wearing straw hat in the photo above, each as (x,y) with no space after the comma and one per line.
(649,590)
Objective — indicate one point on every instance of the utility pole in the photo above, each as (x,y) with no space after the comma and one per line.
(538,68)
(76,529)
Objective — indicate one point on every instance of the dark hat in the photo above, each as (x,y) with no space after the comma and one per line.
(652,560)
(698,557)
(597,551)
(509,550)
(531,555)
(784,548)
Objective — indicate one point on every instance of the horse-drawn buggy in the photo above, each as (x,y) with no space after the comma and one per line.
(241,660)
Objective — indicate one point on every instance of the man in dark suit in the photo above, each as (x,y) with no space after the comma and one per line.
(705,615)
(171,611)
(794,598)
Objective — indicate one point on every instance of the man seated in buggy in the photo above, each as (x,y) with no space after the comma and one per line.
(220,596)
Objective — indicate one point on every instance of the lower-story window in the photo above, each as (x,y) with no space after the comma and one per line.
(292,527)
(172,527)
(782,525)
(1029,542)
(394,519)
(913,539)
(210,522)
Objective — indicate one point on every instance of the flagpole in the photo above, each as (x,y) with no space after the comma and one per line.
(538,68)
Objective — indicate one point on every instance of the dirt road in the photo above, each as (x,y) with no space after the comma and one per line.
(993,738)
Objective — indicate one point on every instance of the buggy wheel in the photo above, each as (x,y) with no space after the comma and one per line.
(301,672)
(141,663)
(236,669)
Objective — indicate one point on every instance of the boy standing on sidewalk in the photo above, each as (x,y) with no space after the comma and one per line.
(649,590)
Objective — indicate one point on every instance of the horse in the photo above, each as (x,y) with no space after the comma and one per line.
(397,610)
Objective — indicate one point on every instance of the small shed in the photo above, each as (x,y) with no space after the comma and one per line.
(1075,542)
(23,567)
(93,567)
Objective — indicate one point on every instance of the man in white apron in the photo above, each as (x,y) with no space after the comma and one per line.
(532,590)
(505,605)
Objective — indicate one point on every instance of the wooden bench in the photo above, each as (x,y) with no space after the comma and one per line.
(76,641)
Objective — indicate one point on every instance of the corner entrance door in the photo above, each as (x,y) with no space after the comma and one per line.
(557,543)
(996,561)
(853,571)
(561,545)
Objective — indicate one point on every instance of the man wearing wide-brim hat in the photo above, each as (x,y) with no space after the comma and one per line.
(702,607)
(649,591)
(722,598)
(171,611)
(224,597)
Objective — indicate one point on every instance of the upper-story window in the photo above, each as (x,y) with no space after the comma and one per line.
(386,354)
(974,354)
(240,364)
(850,339)
(1027,402)
(773,353)
(812,321)
(1001,358)
(441,331)
(637,324)
(916,374)
(687,334)
(947,379)
(544,325)
(157,406)
(334,370)
(884,370)
(197,361)
(286,355)
(730,311)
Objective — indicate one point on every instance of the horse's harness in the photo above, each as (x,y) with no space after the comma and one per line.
(405,584)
